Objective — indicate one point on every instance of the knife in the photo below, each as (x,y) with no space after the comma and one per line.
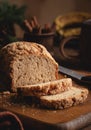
(71,73)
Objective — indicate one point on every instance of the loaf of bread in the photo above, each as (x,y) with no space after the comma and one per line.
(26,63)
(65,99)
(48,88)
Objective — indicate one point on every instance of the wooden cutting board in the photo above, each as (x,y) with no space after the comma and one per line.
(34,117)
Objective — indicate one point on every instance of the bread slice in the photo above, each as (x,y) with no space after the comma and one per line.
(66,99)
(48,88)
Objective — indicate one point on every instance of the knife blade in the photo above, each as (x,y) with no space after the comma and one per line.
(71,73)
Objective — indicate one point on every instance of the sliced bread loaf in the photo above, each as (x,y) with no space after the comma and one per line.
(66,99)
(48,88)
(25,63)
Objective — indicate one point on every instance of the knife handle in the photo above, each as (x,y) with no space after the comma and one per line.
(86,78)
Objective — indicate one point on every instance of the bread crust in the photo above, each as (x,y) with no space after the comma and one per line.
(48,88)
(65,102)
(20,48)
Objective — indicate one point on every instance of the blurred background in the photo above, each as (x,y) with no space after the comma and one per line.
(48,10)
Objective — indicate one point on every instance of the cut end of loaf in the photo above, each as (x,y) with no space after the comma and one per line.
(29,70)
(66,99)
